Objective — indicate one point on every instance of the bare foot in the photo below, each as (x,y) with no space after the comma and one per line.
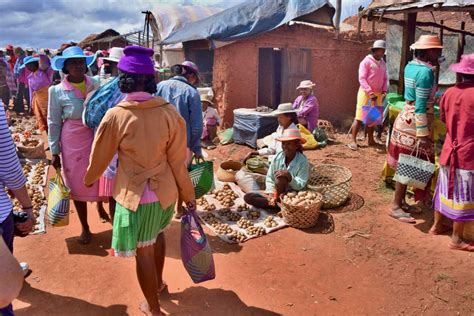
(85,237)
(145,309)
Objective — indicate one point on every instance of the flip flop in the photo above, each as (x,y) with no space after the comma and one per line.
(412,209)
(353,146)
(463,246)
(403,217)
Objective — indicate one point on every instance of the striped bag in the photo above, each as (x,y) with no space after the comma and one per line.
(58,201)
(201,173)
(196,253)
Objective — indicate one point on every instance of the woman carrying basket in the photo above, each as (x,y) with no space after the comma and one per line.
(149,136)
(412,129)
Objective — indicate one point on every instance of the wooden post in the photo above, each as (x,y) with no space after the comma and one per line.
(359,27)
(441,38)
(461,44)
(408,38)
(338,16)
(373,28)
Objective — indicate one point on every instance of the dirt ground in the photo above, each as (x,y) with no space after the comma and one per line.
(396,269)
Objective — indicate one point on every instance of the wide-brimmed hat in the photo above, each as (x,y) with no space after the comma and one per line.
(57,63)
(114,55)
(427,42)
(465,66)
(379,44)
(29,60)
(306,84)
(284,108)
(291,134)
(207,98)
(137,60)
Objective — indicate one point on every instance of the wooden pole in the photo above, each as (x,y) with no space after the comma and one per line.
(441,37)
(408,38)
(338,16)
(461,44)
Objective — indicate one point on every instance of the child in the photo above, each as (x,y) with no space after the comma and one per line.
(211,120)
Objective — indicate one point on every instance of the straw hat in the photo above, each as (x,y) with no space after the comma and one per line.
(284,108)
(207,98)
(379,44)
(465,66)
(291,134)
(306,84)
(427,42)
(115,54)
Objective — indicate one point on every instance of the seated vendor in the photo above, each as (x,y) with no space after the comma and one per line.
(210,121)
(287,119)
(289,171)
(307,105)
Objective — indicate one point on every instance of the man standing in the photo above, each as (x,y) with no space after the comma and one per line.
(373,81)
(7,82)
(21,75)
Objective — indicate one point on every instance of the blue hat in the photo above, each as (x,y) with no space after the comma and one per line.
(28,60)
(57,63)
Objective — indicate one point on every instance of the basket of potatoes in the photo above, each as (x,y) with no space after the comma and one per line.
(301,209)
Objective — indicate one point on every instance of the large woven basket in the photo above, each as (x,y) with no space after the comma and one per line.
(227,170)
(328,128)
(302,216)
(468,233)
(333,182)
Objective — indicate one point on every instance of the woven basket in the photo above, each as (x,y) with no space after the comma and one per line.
(333,182)
(227,171)
(328,128)
(468,233)
(302,216)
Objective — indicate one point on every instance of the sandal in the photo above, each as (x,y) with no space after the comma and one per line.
(353,146)
(412,209)
(402,216)
(463,246)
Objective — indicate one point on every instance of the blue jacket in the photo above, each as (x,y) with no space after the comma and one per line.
(185,97)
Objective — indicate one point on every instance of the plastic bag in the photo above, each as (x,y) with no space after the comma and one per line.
(250,181)
(311,143)
(226,136)
(196,253)
(58,201)
(202,175)
(257,164)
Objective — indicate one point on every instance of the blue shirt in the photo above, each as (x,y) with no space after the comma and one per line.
(11,173)
(185,97)
(298,168)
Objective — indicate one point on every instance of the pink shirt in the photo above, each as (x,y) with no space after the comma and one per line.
(373,75)
(148,195)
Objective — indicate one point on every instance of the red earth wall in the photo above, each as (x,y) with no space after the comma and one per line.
(334,69)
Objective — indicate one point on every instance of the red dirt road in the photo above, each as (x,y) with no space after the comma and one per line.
(398,269)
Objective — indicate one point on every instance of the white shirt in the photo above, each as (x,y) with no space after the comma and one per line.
(209,114)
(275,146)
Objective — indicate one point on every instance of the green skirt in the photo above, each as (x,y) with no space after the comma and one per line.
(138,229)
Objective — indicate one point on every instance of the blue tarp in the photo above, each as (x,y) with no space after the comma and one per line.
(253,17)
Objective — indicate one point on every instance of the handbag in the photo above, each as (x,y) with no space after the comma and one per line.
(372,115)
(202,175)
(58,201)
(196,253)
(414,171)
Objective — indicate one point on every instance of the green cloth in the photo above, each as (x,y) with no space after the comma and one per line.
(138,229)
(298,168)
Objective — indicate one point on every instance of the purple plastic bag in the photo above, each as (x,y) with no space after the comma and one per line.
(196,253)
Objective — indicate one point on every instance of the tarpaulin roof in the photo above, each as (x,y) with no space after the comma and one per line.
(253,17)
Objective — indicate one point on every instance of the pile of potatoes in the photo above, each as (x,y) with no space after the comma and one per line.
(223,229)
(237,237)
(242,208)
(301,198)
(205,205)
(255,231)
(253,215)
(225,196)
(244,223)
(270,222)
(211,219)
(233,217)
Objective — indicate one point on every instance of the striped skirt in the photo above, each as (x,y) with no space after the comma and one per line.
(138,229)
(461,206)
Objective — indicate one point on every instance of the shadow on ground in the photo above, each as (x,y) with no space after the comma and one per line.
(43,303)
(202,301)
(98,247)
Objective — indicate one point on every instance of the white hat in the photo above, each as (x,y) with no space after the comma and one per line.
(115,54)
(379,44)
(284,108)
(306,84)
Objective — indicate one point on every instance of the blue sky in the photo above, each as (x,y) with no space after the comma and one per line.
(48,23)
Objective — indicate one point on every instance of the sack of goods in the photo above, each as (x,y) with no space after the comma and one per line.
(196,253)
(31,149)
(58,201)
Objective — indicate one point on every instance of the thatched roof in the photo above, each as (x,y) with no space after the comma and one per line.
(93,37)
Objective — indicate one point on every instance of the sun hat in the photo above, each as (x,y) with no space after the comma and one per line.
(57,63)
(191,66)
(306,84)
(207,98)
(114,55)
(379,44)
(137,60)
(427,42)
(291,134)
(29,60)
(465,66)
(284,108)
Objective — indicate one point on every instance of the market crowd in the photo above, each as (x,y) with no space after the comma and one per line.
(117,134)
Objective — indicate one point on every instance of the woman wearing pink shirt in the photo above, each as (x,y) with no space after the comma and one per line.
(373,81)
(307,105)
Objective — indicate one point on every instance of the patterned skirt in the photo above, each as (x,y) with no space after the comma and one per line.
(138,229)
(461,206)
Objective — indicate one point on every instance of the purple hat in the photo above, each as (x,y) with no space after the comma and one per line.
(137,60)
(191,66)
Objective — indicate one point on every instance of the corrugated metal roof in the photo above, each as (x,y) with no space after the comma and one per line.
(399,6)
